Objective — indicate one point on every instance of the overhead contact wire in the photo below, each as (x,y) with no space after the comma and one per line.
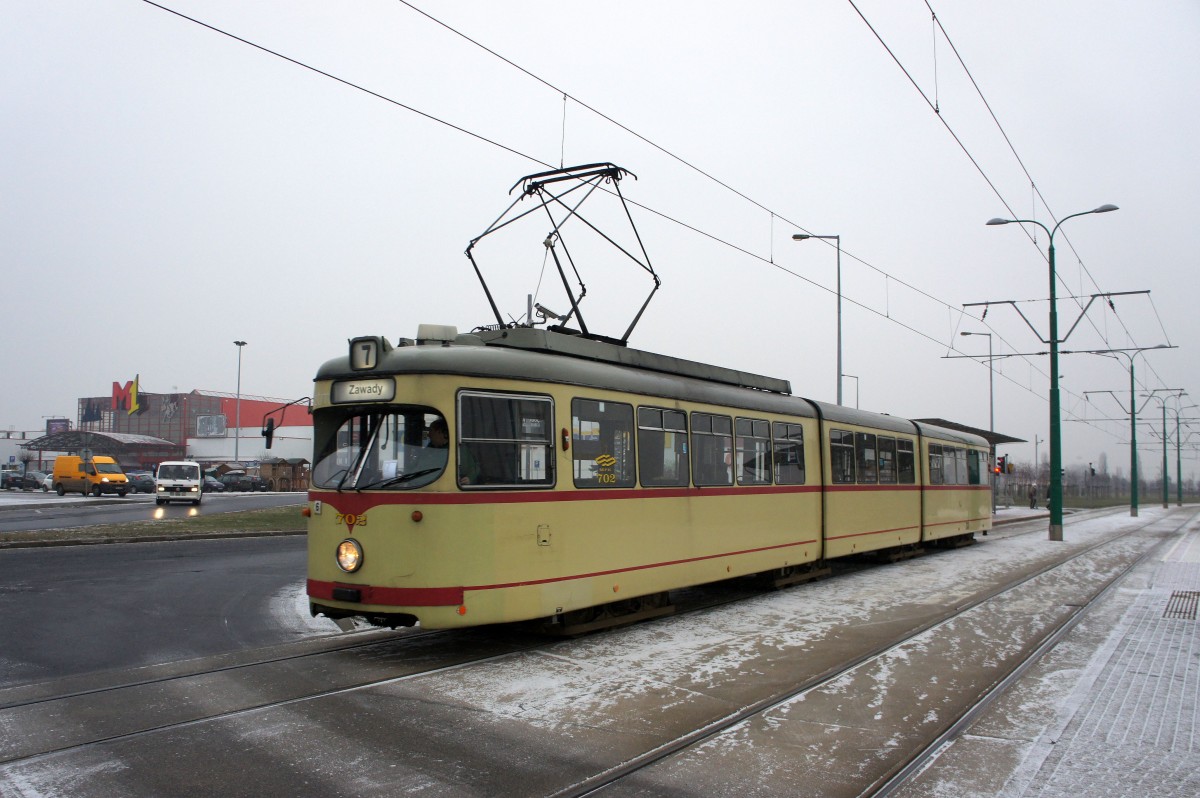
(1033,185)
(648,209)
(352,85)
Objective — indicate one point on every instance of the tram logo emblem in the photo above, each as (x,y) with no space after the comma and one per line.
(606,461)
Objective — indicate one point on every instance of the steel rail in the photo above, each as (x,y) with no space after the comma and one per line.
(906,772)
(594,784)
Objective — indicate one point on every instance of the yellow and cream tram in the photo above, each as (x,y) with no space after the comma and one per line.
(522,473)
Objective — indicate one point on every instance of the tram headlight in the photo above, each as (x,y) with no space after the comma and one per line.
(349,555)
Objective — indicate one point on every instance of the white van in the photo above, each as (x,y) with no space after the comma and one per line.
(178,481)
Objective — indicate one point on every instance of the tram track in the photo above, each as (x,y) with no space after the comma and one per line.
(74,719)
(898,780)
(78,686)
(79,718)
(892,779)
(408,654)
(451,649)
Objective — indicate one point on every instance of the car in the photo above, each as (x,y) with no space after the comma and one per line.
(232,480)
(32,480)
(47,483)
(255,482)
(140,482)
(241,481)
(22,480)
(212,485)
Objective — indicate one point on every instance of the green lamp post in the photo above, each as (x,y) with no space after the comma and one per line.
(1056,491)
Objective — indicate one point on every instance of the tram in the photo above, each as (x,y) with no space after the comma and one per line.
(535,474)
(545,473)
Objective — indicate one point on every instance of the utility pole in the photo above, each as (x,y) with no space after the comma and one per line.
(1129,353)
(1056,493)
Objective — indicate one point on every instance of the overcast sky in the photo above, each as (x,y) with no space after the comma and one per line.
(168,189)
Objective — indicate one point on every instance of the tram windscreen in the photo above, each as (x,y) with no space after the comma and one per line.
(384,449)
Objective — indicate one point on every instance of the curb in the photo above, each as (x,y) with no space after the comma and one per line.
(1019,519)
(32,544)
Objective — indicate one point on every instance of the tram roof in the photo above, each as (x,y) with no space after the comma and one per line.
(993,438)
(602,351)
(546,356)
(865,418)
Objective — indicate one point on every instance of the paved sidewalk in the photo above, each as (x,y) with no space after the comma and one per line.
(1114,710)
(1134,731)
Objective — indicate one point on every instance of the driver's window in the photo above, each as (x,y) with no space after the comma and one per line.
(408,450)
(396,450)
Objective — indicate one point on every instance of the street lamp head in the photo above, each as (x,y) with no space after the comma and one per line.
(1106,208)
(239,343)
(800,236)
(998,220)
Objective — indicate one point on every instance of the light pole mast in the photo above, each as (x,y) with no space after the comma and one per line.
(237,433)
(1166,473)
(1130,354)
(838,240)
(992,409)
(1178,451)
(1162,400)
(1056,487)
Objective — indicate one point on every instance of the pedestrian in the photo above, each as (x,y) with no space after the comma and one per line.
(1033,497)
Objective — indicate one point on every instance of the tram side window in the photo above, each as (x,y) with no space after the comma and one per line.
(887,460)
(935,464)
(960,466)
(973,471)
(753,462)
(864,452)
(841,456)
(789,453)
(505,440)
(602,444)
(662,447)
(712,449)
(906,464)
(949,466)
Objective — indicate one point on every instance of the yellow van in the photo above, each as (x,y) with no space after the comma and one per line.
(95,476)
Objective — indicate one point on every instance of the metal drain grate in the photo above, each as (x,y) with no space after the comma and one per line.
(1182,605)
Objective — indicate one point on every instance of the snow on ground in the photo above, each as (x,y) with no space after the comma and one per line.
(289,610)
(587,680)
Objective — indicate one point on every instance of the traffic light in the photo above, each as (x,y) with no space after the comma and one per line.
(1000,465)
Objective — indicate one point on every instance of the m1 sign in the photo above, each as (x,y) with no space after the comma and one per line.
(125,397)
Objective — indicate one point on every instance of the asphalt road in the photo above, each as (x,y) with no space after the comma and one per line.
(72,610)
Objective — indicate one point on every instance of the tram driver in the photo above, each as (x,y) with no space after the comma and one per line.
(439,439)
(439,435)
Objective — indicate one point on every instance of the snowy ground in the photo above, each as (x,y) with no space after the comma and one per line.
(613,694)
(1113,710)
